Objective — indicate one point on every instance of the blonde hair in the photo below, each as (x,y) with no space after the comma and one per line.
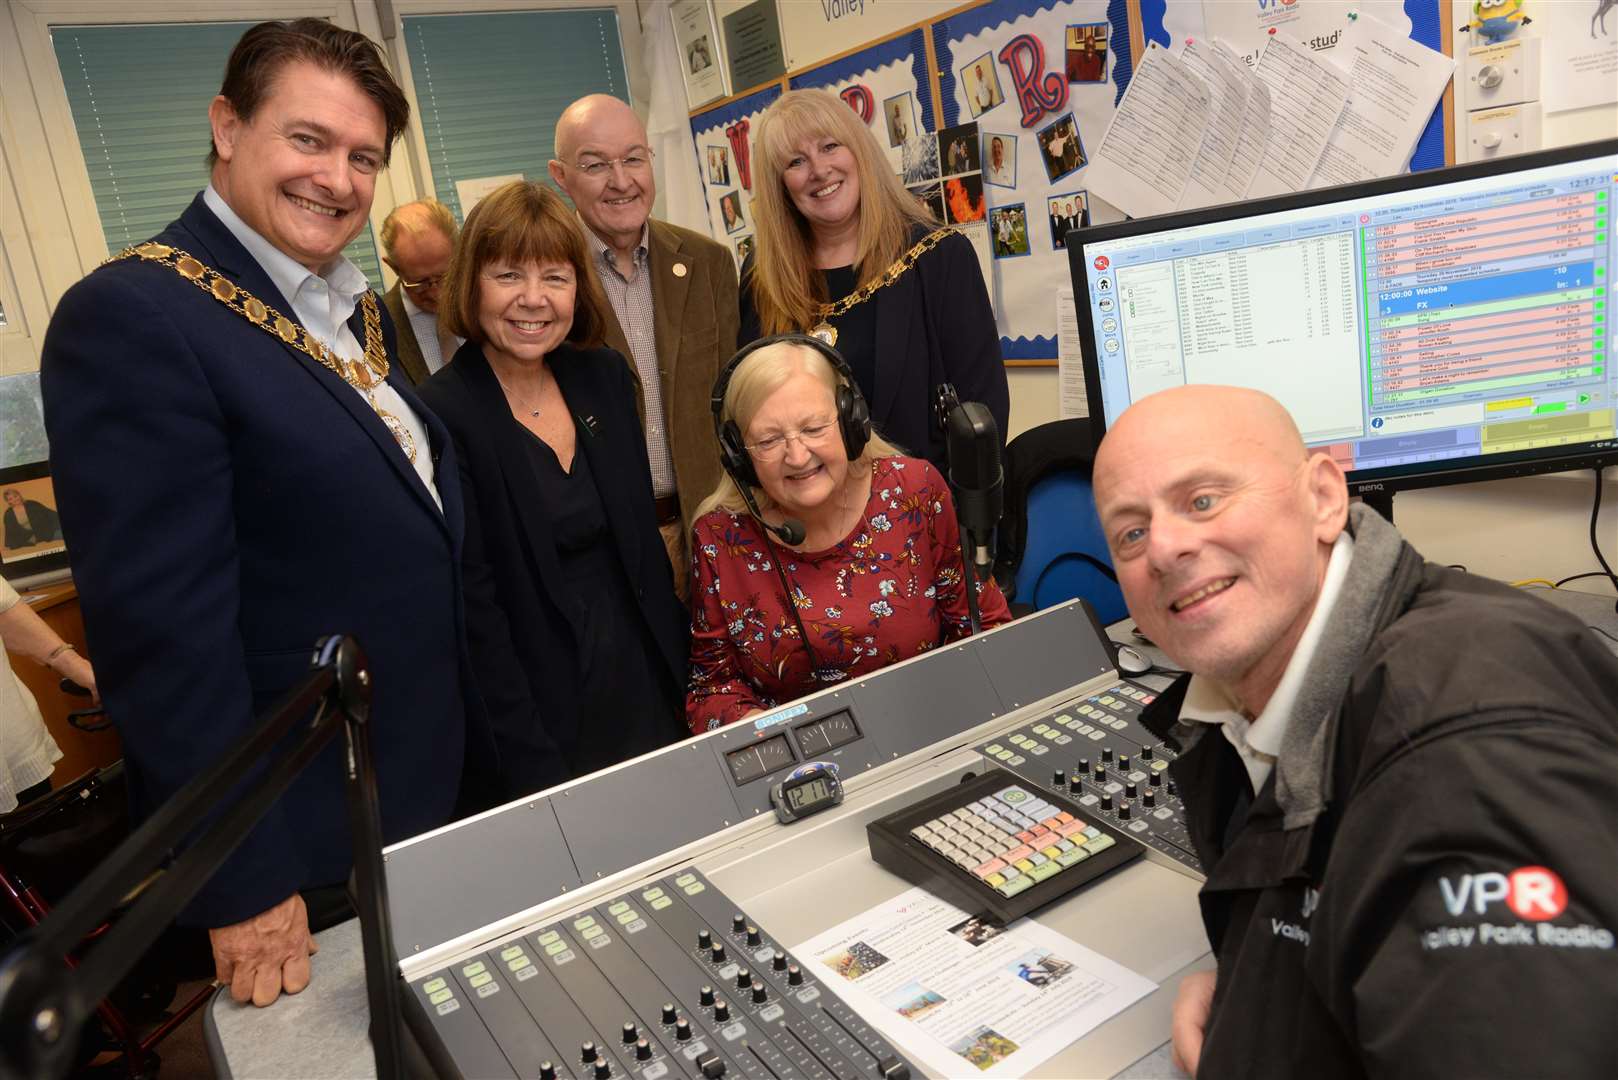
(751,384)
(412,219)
(787,288)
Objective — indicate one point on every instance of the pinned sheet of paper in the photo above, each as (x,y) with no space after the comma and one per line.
(1396,84)
(1070,358)
(1144,160)
(1229,81)
(1307,94)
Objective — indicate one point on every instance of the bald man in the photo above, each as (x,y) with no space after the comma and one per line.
(1398,776)
(674,302)
(417,241)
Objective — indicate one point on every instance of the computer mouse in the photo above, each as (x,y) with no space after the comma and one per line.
(1131,661)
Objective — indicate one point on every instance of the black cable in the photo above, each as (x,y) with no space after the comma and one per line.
(1580,577)
(792,604)
(1595,512)
(1604,634)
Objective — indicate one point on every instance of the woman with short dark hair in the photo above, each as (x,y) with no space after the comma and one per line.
(578,641)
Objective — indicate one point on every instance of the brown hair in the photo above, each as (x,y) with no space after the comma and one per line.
(520,223)
(413,218)
(787,289)
(268,47)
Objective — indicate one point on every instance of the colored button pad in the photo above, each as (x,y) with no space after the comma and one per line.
(1011,840)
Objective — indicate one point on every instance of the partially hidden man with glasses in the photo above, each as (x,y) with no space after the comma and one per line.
(673,298)
(417,241)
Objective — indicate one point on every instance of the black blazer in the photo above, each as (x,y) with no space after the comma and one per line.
(520,617)
(228,501)
(934,325)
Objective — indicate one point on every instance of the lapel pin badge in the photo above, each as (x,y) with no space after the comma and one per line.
(679,269)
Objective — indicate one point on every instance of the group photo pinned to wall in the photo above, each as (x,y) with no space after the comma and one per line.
(723,137)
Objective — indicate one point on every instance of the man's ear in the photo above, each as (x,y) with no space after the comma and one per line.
(1328,492)
(222,117)
(554,167)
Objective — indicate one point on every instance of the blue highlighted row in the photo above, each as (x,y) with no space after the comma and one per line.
(1403,300)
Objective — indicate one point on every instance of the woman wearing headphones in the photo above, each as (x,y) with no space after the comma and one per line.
(862,540)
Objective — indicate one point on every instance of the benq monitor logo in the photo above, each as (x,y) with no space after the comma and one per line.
(1102,262)
(1533,892)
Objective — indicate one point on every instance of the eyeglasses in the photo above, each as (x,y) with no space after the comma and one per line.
(597,168)
(425,283)
(775,446)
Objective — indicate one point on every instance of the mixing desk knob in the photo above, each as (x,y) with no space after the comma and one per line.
(1130,789)
(682,1030)
(761,993)
(754,938)
(1059,779)
(1083,767)
(1123,763)
(1157,779)
(721,1011)
(603,1068)
(1075,784)
(705,995)
(588,1052)
(704,940)
(1106,801)
(631,1032)
(1146,753)
(744,978)
(717,953)
(547,1071)
(1150,798)
(668,1012)
(643,1049)
(794,975)
(1101,772)
(779,961)
(738,923)
(1123,810)
(1106,754)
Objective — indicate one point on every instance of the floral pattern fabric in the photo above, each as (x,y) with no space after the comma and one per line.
(891,589)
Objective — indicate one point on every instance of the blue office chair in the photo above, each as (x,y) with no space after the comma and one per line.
(1050,547)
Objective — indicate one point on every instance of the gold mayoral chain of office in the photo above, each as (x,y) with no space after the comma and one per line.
(364,374)
(826,332)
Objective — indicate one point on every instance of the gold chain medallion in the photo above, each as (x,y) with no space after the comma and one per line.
(826,332)
(364,374)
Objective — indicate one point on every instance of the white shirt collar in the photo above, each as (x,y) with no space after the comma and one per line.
(285,273)
(409,305)
(1259,741)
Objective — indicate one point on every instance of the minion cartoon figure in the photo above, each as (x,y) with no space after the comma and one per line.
(1496,20)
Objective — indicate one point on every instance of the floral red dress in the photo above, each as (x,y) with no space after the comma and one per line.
(891,589)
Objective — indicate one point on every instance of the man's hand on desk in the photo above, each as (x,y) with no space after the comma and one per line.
(1191,1009)
(261,956)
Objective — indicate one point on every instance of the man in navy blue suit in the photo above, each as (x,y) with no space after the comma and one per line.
(241,470)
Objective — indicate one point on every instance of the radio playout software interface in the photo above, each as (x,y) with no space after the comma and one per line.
(1410,326)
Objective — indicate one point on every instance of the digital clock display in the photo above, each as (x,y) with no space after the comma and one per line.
(760,758)
(827,733)
(807,796)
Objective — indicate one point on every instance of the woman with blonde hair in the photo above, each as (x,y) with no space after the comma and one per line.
(867,570)
(845,253)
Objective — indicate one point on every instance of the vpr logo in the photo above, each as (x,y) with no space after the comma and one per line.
(1532,892)
(1102,262)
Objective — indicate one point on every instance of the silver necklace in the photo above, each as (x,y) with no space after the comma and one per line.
(512,395)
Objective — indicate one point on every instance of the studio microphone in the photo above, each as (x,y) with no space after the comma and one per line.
(976,476)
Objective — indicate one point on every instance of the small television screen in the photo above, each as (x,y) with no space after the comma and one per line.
(30,530)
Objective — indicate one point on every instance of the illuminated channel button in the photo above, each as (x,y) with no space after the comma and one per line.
(518,963)
(1005,755)
(432,986)
(619,908)
(1040,729)
(511,952)
(438,997)
(480,979)
(591,932)
(587,921)
(685,879)
(555,947)
(474,968)
(993,748)
(1015,759)
(661,902)
(548,937)
(694,888)
(652,894)
(629,916)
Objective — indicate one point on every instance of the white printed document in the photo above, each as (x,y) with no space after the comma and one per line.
(1218,66)
(1145,158)
(1395,85)
(964,997)
(1070,357)
(1308,94)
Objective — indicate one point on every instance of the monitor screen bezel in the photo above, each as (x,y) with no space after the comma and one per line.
(1360,481)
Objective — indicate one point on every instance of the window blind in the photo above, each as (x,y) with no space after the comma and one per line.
(139,97)
(490,87)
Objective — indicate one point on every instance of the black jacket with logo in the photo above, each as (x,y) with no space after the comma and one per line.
(1452,912)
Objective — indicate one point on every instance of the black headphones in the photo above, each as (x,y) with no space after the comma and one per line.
(853,414)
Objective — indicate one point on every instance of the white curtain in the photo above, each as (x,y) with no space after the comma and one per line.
(668,125)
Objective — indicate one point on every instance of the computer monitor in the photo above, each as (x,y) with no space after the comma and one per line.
(1436,328)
